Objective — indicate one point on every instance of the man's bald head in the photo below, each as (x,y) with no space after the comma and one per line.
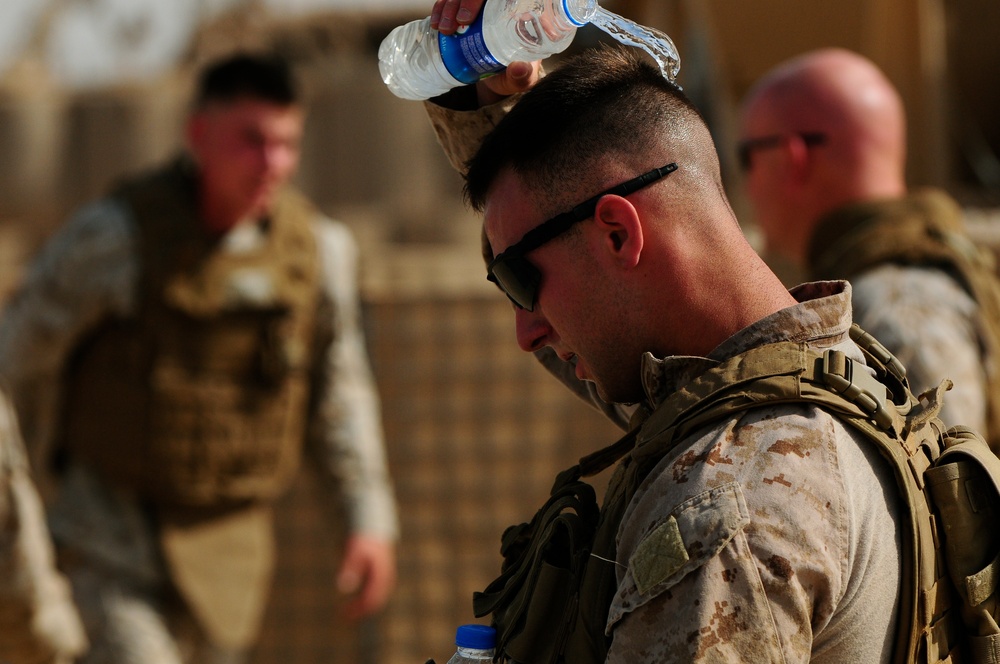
(847,101)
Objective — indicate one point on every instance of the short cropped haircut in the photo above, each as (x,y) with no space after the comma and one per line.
(259,76)
(608,100)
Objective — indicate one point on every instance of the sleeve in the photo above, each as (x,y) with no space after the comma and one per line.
(461,131)
(38,621)
(742,544)
(84,273)
(929,322)
(694,577)
(346,429)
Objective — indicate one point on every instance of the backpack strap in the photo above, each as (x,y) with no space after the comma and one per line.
(534,601)
(923,229)
(905,431)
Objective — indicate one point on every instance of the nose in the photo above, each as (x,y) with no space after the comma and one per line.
(532,330)
(277,158)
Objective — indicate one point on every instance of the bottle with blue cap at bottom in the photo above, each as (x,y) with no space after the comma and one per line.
(417,62)
(475,644)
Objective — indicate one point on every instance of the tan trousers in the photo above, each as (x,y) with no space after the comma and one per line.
(128,623)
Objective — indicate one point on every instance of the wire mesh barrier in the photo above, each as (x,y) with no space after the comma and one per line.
(475,431)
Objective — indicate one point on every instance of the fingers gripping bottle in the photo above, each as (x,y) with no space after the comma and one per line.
(475,645)
(416,62)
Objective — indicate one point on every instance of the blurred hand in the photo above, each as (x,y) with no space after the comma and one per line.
(368,572)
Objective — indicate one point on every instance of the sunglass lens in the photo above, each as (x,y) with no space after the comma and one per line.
(518,278)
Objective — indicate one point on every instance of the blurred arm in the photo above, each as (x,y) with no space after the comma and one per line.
(84,273)
(38,621)
(346,432)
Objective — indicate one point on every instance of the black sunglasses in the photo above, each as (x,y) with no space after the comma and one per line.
(745,149)
(517,277)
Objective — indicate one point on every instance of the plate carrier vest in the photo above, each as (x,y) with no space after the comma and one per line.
(550,603)
(201,398)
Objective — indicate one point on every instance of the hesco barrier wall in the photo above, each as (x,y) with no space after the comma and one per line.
(476,432)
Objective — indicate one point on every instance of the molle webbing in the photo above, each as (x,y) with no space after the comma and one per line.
(547,602)
(201,398)
(906,432)
(924,229)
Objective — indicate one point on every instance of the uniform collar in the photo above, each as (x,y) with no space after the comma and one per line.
(822,318)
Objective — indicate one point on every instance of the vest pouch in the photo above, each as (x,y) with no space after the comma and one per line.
(966,494)
(545,623)
(534,600)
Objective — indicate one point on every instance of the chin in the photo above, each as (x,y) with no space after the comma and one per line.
(627,394)
(612,395)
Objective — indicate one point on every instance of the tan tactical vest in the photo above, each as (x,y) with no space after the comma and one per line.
(551,601)
(925,229)
(201,398)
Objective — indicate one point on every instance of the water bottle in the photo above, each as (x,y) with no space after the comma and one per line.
(475,644)
(417,62)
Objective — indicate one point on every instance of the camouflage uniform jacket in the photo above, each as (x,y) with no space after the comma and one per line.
(922,313)
(38,622)
(790,544)
(87,273)
(787,519)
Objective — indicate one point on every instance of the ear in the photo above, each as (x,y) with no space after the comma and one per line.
(621,230)
(195,131)
(797,159)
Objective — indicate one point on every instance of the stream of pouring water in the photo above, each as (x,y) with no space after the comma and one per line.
(657,44)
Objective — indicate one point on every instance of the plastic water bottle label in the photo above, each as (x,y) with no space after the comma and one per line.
(465,54)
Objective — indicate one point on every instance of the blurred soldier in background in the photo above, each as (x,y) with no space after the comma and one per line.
(201,326)
(824,152)
(38,622)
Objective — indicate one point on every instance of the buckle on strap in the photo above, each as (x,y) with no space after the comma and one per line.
(858,387)
(880,352)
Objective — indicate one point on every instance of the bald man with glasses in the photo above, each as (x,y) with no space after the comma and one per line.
(823,151)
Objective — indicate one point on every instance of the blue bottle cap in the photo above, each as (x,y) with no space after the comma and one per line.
(482,637)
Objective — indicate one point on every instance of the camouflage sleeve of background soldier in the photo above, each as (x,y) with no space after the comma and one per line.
(460,132)
(38,622)
(928,321)
(346,431)
(84,273)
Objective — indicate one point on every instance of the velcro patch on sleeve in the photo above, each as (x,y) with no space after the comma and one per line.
(659,555)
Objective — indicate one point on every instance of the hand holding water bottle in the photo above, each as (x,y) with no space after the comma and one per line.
(419,61)
(454,46)
(447,16)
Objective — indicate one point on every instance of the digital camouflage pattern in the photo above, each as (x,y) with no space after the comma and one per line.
(924,290)
(928,321)
(769,537)
(88,273)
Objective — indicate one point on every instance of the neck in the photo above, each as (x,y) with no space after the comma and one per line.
(758,294)
(219,219)
(725,302)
